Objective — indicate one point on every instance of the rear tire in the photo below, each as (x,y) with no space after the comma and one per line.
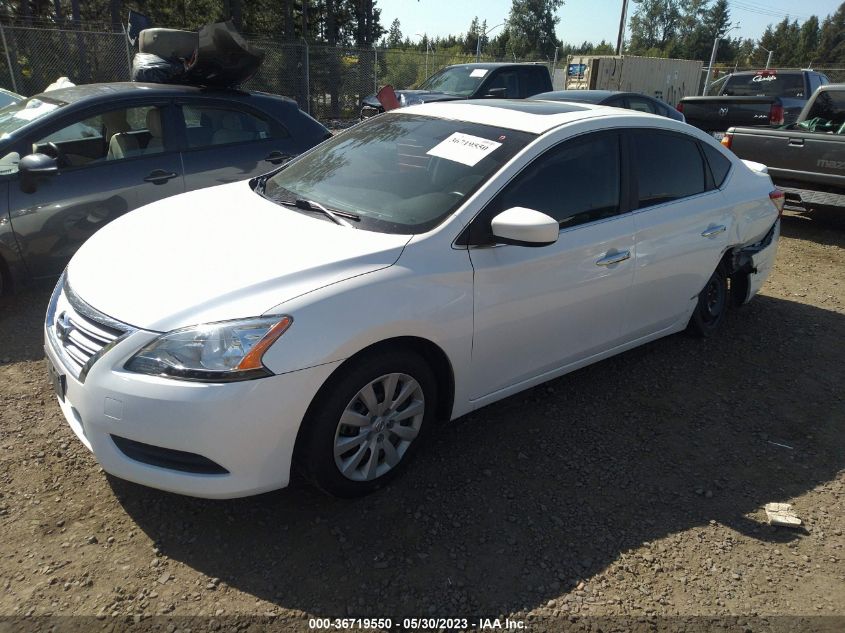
(367,423)
(712,306)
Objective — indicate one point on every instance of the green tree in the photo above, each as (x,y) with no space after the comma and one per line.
(394,34)
(531,27)
(832,39)
(808,42)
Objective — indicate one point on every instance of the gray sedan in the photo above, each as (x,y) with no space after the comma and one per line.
(73,159)
(616,99)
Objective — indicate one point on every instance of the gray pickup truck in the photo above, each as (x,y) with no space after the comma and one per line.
(763,97)
(805,159)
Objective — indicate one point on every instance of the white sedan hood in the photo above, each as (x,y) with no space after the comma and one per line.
(216,254)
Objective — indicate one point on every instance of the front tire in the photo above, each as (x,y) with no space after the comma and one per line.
(367,423)
(712,306)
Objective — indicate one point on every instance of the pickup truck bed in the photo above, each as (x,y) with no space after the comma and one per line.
(808,165)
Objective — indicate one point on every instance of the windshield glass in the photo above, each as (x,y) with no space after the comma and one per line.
(18,114)
(400,173)
(764,84)
(457,80)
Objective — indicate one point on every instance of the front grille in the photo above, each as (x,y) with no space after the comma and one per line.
(79,332)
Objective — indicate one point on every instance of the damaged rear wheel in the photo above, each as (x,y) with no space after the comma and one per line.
(712,307)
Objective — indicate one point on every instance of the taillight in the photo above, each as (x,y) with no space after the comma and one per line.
(776,114)
(778,199)
(727,139)
(680,107)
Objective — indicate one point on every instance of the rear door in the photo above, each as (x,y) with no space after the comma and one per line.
(227,141)
(682,224)
(112,160)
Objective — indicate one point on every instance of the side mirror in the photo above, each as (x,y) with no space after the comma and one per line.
(525,227)
(34,166)
(496,93)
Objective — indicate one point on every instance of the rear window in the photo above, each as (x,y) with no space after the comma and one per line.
(720,165)
(829,106)
(764,84)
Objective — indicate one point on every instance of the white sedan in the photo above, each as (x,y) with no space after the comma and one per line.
(416,267)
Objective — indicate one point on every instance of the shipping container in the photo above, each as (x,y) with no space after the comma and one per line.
(667,79)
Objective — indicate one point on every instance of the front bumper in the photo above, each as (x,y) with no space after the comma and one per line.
(249,428)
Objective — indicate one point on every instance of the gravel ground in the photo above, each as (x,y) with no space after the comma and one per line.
(630,488)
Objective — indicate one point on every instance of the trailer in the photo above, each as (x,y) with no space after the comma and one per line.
(669,80)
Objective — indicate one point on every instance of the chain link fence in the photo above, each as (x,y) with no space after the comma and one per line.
(326,81)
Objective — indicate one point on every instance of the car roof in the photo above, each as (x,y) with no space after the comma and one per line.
(112,90)
(591,96)
(491,65)
(536,117)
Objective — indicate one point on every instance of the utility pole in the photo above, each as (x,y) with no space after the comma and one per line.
(622,21)
(481,35)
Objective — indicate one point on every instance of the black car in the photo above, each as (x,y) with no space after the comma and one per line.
(73,159)
(627,100)
(471,81)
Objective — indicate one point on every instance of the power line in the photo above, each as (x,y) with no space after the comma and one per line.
(764,11)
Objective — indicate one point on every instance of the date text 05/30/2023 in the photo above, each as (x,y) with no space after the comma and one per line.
(505,624)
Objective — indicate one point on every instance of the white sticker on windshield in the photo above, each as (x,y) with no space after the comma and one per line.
(478,72)
(464,148)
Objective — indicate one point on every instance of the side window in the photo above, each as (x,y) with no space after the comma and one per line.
(533,80)
(113,135)
(669,167)
(815,82)
(575,183)
(641,105)
(824,80)
(509,80)
(720,165)
(206,126)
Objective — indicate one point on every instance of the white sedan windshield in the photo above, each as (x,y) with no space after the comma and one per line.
(398,173)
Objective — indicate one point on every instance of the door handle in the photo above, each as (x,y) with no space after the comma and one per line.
(796,142)
(277,157)
(159,176)
(713,231)
(614,258)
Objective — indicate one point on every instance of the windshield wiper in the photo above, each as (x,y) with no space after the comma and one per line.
(311,205)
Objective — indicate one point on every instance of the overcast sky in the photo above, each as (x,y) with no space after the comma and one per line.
(580,20)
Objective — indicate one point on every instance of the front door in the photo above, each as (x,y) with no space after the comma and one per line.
(539,309)
(110,162)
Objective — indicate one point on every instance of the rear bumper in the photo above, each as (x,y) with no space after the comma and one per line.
(762,256)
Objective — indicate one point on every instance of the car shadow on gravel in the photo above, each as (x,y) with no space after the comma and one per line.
(21,320)
(519,502)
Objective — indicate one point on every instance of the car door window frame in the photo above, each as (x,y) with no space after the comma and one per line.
(278,131)
(78,116)
(485,215)
(634,193)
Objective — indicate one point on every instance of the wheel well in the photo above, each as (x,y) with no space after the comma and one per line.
(431,353)
(737,276)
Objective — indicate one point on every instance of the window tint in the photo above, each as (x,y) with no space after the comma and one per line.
(764,84)
(815,82)
(535,81)
(206,126)
(641,105)
(113,135)
(507,79)
(669,167)
(720,165)
(575,182)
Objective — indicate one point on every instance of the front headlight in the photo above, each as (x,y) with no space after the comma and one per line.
(212,352)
